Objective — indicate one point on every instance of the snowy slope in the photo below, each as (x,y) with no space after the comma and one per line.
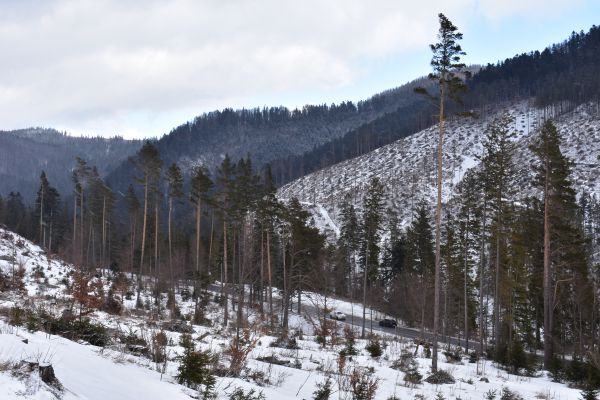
(90,372)
(407,166)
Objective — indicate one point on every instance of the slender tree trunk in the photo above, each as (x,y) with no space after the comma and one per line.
(224,286)
(81,222)
(438,223)
(481,269)
(286,296)
(497,286)
(198,217)
(548,338)
(103,250)
(156,264)
(364,299)
(75,228)
(262,274)
(170,244)
(210,242)
(42,216)
(144,224)
(270,277)
(466,275)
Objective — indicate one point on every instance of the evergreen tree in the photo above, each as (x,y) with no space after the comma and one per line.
(447,70)
(149,164)
(419,267)
(498,172)
(565,263)
(47,211)
(371,229)
(174,193)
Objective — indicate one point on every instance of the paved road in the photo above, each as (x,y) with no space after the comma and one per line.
(356,320)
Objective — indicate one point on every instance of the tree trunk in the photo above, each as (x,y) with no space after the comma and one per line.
(144,224)
(270,277)
(438,223)
(224,286)
(548,348)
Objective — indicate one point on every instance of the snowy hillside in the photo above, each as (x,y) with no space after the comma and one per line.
(117,369)
(407,166)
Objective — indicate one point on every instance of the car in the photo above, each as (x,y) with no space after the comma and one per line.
(340,316)
(388,323)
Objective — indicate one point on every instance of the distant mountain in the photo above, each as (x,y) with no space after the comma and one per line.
(25,153)
(269,133)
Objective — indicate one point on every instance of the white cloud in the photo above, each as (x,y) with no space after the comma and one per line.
(108,66)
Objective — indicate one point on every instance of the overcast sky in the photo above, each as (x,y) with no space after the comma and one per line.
(138,68)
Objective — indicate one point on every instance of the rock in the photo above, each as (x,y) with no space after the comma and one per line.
(47,374)
(177,326)
(484,379)
(26,341)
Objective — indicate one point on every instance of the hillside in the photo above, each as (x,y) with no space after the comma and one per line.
(407,166)
(25,153)
(120,362)
(267,134)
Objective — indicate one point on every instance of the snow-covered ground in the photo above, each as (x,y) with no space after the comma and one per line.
(407,167)
(114,372)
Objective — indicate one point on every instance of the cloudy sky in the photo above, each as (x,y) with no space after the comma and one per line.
(138,68)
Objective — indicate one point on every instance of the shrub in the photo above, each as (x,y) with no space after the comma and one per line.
(362,386)
(589,393)
(453,356)
(412,376)
(195,369)
(239,394)
(440,377)
(349,349)
(323,390)
(81,329)
(374,348)
(159,347)
(17,316)
(507,394)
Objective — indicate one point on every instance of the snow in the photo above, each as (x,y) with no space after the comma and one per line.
(90,372)
(407,167)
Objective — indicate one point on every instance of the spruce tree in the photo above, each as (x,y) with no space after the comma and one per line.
(174,192)
(563,246)
(371,229)
(149,165)
(498,172)
(200,186)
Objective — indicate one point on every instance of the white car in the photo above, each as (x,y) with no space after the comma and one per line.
(340,316)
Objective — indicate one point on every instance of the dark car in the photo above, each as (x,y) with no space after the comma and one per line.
(388,323)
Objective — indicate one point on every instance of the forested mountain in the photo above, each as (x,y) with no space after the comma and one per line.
(25,153)
(275,133)
(562,72)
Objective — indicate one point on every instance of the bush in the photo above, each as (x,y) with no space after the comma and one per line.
(440,377)
(453,356)
(349,349)
(507,394)
(362,386)
(81,329)
(239,394)
(374,348)
(323,390)
(195,368)
(412,376)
